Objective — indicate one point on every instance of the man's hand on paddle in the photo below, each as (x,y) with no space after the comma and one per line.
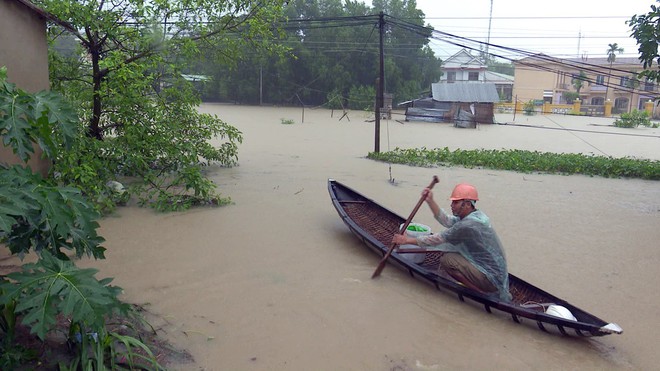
(428,195)
(402,239)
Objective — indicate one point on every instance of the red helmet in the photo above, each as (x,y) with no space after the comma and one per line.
(464,191)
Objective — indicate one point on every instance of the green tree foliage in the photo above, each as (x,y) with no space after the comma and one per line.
(37,214)
(645,30)
(579,81)
(506,68)
(361,97)
(41,118)
(127,82)
(334,49)
(571,96)
(612,51)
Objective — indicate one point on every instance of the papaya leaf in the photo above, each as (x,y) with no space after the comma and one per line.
(14,130)
(6,224)
(44,118)
(59,114)
(53,286)
(34,214)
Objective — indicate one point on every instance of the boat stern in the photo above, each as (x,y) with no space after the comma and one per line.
(612,328)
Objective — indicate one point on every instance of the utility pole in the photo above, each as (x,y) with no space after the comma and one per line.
(379,82)
(490,20)
(579,39)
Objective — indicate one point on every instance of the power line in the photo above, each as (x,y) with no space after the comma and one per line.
(529,17)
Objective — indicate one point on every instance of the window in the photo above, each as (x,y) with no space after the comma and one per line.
(621,103)
(473,76)
(451,76)
(624,81)
(648,86)
(597,101)
(600,80)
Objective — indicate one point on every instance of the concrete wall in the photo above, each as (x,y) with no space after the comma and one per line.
(531,82)
(24,51)
(23,46)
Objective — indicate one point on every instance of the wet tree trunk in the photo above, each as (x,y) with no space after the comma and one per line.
(94,129)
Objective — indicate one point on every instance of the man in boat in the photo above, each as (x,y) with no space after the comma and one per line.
(472,252)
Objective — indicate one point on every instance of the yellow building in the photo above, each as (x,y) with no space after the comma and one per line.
(542,78)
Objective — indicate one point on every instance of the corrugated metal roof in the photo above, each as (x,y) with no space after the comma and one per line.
(465,92)
(496,77)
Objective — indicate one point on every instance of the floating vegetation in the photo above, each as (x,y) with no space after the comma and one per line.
(525,162)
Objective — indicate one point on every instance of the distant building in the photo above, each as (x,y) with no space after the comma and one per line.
(463,104)
(503,84)
(544,78)
(464,67)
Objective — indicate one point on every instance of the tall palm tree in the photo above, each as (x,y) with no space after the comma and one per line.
(613,50)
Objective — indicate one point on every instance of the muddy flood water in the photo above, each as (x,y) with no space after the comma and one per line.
(275,281)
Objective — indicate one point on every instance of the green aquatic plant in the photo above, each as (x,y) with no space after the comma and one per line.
(525,162)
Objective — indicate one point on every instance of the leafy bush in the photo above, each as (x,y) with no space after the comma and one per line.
(571,96)
(525,161)
(633,119)
(362,98)
(528,108)
(36,214)
(149,129)
(43,118)
(54,286)
(39,216)
(335,100)
(163,147)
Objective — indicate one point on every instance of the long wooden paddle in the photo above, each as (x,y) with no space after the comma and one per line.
(383,261)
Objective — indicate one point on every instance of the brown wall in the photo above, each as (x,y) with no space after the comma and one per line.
(24,51)
(23,46)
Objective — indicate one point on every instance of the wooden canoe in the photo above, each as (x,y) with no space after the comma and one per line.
(375,225)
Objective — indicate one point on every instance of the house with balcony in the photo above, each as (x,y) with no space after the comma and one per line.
(542,78)
(463,67)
